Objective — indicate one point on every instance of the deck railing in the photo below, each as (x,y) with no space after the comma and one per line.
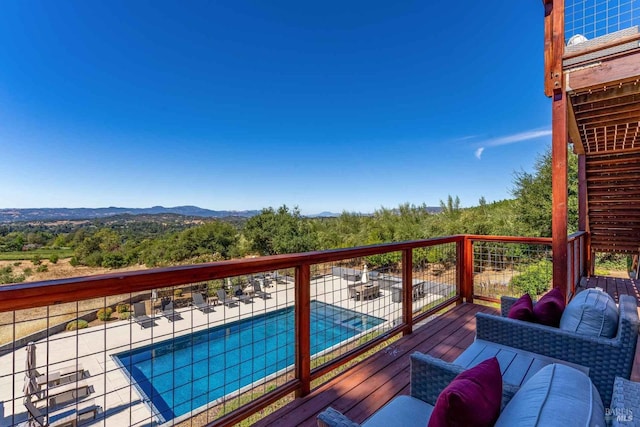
(218,364)
(596,18)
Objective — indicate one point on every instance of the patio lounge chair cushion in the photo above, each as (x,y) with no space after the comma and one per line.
(522,309)
(557,395)
(548,310)
(591,312)
(472,399)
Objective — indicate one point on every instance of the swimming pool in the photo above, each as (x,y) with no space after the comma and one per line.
(182,374)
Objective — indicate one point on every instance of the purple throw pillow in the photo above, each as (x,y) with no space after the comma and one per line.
(522,309)
(548,310)
(472,399)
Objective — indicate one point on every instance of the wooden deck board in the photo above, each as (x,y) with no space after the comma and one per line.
(369,385)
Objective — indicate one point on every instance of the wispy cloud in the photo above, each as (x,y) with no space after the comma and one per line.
(512,139)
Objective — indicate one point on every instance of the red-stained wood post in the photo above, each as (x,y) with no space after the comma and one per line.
(303,328)
(407,290)
(460,276)
(583,212)
(554,80)
(464,269)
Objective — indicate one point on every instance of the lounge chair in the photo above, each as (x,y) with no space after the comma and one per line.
(72,416)
(257,290)
(169,313)
(239,294)
(69,392)
(140,315)
(224,299)
(201,304)
(62,376)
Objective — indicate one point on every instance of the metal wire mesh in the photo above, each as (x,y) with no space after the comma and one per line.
(351,305)
(187,355)
(596,18)
(434,276)
(510,269)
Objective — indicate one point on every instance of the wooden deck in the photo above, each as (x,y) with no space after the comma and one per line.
(366,387)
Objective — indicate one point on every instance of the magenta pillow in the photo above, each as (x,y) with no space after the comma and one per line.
(548,310)
(522,309)
(472,399)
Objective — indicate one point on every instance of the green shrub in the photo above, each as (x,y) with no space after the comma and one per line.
(42,268)
(122,308)
(17,264)
(28,271)
(54,258)
(104,314)
(177,293)
(77,324)
(36,260)
(534,279)
(74,262)
(126,315)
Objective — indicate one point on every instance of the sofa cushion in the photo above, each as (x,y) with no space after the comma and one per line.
(548,310)
(405,411)
(591,312)
(557,395)
(522,309)
(473,398)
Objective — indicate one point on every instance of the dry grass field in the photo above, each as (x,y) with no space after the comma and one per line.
(20,323)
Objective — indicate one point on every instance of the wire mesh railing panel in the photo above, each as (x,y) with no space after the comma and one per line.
(183,354)
(351,303)
(434,276)
(596,18)
(511,269)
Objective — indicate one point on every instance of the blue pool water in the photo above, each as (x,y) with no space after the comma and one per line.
(185,373)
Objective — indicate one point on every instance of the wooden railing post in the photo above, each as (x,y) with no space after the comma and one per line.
(407,290)
(465,268)
(303,328)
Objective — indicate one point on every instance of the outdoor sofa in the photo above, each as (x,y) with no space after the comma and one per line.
(568,398)
(605,358)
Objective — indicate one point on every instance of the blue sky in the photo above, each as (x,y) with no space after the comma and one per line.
(328,105)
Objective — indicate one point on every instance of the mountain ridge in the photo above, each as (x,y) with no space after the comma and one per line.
(52,214)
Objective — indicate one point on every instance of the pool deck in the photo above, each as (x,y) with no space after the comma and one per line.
(110,388)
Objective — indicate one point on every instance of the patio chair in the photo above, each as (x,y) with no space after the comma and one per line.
(200,303)
(239,294)
(258,291)
(169,313)
(224,299)
(140,316)
(606,358)
(72,416)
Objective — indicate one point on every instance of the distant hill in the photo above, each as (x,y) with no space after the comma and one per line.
(61,214)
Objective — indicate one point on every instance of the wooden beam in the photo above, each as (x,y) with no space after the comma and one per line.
(583,207)
(609,73)
(548,47)
(559,111)
(574,133)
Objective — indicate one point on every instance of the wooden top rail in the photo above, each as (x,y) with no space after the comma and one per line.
(36,294)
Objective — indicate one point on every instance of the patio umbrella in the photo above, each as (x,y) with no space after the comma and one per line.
(30,363)
(31,386)
(365,275)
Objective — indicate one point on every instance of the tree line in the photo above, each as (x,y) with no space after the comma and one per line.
(284,230)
